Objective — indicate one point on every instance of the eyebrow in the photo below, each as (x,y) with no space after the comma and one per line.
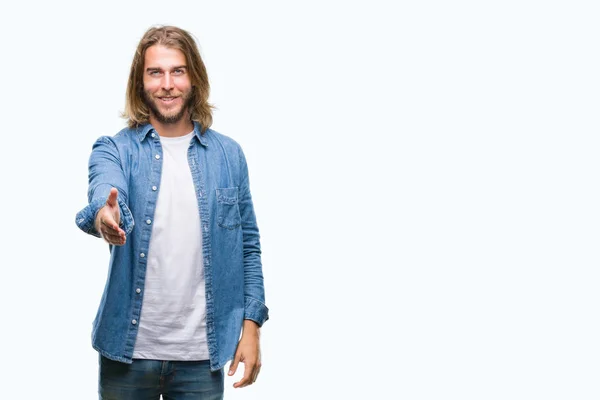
(160,69)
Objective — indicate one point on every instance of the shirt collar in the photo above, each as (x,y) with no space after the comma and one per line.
(143,130)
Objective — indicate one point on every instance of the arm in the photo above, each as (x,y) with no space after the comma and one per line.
(254,292)
(105,172)
(255,310)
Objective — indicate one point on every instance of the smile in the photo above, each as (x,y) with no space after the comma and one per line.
(168,100)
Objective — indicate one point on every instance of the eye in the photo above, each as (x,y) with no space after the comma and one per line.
(178,71)
(154,73)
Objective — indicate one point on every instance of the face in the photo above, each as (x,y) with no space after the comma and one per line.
(167,86)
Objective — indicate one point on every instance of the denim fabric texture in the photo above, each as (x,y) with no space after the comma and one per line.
(149,379)
(131,161)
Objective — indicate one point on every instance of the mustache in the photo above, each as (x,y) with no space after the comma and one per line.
(172,94)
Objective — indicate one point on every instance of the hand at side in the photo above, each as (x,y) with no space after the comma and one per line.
(248,352)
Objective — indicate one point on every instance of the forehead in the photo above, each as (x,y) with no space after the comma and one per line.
(159,56)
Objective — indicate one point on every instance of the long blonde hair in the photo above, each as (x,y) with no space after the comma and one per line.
(136,111)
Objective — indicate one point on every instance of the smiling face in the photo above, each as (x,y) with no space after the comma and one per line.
(167,86)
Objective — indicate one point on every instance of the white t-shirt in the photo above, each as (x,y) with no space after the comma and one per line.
(172,324)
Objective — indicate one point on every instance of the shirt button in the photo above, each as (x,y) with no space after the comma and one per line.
(134,322)
(157,156)
(206,229)
(142,255)
(154,187)
(138,290)
(153,135)
(148,221)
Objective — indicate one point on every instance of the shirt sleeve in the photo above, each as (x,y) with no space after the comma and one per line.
(254,292)
(105,172)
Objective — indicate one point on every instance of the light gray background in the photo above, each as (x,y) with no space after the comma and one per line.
(425,177)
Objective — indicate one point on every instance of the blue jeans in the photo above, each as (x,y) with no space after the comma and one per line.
(148,379)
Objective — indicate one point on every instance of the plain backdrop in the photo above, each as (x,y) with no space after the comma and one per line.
(424,174)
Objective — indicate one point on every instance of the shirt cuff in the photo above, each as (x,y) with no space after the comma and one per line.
(255,311)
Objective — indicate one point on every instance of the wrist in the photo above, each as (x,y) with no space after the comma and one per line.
(250,327)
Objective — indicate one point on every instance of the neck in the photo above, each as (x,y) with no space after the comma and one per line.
(176,129)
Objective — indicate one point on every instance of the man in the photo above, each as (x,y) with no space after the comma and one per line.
(184,293)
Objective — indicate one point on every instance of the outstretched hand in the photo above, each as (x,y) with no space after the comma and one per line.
(108,219)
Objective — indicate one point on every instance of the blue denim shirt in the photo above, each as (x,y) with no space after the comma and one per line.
(131,161)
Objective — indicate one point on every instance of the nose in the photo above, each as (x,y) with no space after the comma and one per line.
(167,82)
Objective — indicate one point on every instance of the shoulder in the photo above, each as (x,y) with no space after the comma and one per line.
(121,138)
(125,136)
(223,142)
(117,144)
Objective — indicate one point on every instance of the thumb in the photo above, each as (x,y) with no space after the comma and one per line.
(234,363)
(112,197)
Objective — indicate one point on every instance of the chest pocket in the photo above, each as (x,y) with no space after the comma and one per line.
(228,209)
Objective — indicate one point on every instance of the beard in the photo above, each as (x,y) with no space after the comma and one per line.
(187,100)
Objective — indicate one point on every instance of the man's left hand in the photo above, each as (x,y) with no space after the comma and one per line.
(248,352)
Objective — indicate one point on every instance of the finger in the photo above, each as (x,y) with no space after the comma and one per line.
(234,364)
(111,234)
(256,371)
(115,242)
(112,197)
(248,373)
(111,227)
(113,239)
